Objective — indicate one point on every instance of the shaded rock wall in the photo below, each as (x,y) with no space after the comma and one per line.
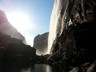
(41,42)
(74,43)
(18,54)
(13,50)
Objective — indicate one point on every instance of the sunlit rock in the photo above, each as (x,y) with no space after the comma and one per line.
(40,43)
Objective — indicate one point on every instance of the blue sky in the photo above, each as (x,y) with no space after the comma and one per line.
(39,12)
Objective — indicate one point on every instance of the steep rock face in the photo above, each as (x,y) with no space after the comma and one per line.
(7,28)
(5,40)
(74,43)
(41,42)
(13,51)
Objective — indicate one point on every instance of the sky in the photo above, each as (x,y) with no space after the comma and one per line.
(29,17)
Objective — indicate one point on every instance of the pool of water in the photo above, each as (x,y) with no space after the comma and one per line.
(38,68)
(29,68)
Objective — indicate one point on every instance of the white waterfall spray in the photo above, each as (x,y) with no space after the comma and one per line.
(53,24)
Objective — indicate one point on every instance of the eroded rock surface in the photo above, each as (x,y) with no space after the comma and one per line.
(74,43)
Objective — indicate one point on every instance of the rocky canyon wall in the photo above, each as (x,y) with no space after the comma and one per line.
(72,33)
(41,43)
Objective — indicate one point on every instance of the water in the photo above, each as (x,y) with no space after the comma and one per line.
(30,68)
(42,68)
(38,68)
(53,23)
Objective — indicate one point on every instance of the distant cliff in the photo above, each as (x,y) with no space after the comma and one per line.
(41,42)
(73,25)
(8,29)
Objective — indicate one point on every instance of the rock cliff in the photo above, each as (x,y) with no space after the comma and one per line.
(12,48)
(41,42)
(74,40)
(8,29)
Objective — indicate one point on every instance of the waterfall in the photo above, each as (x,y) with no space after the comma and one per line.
(53,23)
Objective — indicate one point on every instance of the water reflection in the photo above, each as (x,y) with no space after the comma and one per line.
(38,68)
(28,68)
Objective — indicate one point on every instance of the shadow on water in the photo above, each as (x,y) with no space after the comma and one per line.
(19,67)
